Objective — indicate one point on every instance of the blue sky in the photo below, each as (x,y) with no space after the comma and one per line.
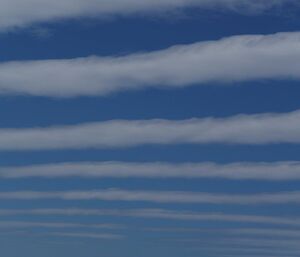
(140,129)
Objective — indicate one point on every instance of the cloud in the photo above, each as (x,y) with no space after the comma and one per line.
(290,233)
(241,129)
(229,60)
(20,13)
(87,235)
(157,196)
(277,171)
(250,251)
(257,232)
(246,243)
(158,214)
(20,224)
(258,242)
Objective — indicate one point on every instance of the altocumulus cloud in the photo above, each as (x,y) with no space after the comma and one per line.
(20,13)
(241,129)
(233,59)
(277,171)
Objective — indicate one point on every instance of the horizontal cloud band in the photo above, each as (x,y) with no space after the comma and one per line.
(157,196)
(233,59)
(241,129)
(274,232)
(243,231)
(156,214)
(20,224)
(277,171)
(16,13)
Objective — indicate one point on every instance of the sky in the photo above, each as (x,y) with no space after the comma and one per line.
(141,128)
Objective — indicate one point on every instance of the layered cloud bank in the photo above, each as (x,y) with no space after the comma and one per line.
(157,196)
(233,59)
(258,171)
(241,129)
(20,13)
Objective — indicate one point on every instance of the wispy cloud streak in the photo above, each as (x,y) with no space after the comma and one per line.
(250,232)
(259,244)
(250,251)
(249,242)
(157,196)
(276,171)
(233,59)
(158,214)
(86,235)
(52,225)
(16,13)
(241,129)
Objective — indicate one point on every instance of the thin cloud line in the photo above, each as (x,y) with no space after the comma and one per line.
(232,251)
(158,214)
(255,232)
(259,129)
(19,14)
(246,242)
(25,224)
(183,197)
(86,235)
(276,171)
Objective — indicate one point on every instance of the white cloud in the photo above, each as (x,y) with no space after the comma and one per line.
(277,171)
(157,196)
(241,129)
(20,13)
(233,59)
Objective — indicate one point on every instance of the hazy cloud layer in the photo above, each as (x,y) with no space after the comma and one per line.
(233,59)
(241,129)
(20,13)
(277,171)
(157,196)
